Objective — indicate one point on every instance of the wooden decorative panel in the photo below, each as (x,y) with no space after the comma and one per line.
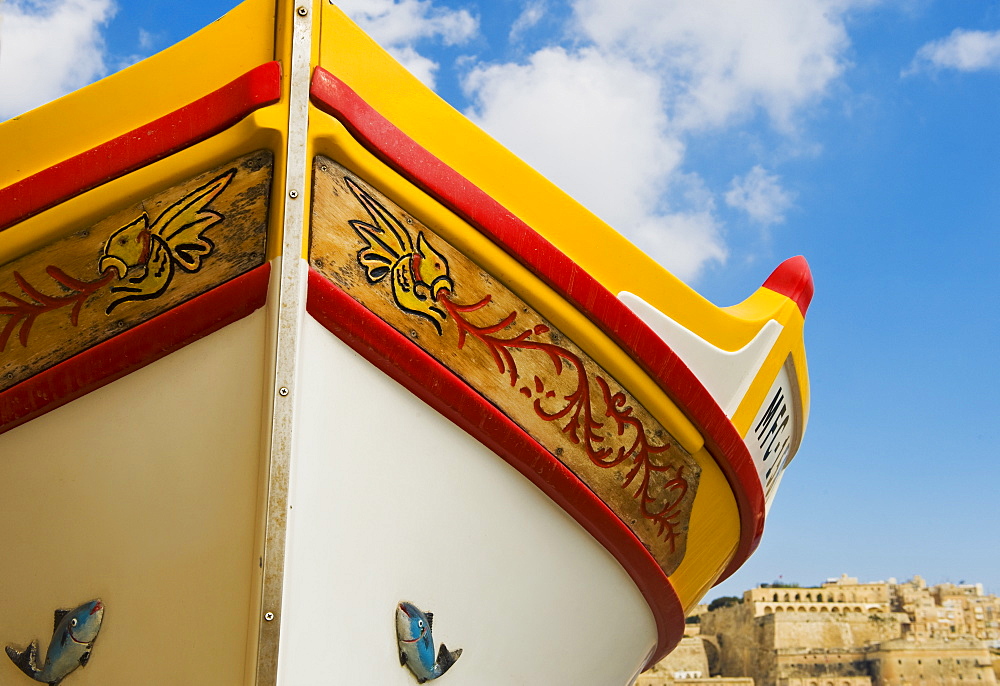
(143,260)
(467,319)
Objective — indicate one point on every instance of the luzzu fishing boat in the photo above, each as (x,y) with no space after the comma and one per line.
(305,378)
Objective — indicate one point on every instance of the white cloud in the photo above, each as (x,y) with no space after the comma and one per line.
(962,50)
(683,242)
(723,59)
(422,67)
(48,49)
(146,39)
(609,118)
(760,195)
(398,25)
(591,123)
(529,17)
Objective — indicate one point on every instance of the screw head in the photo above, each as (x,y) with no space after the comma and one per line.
(293,194)
(268,616)
(302,11)
(282,391)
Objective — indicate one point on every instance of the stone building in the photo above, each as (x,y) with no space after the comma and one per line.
(774,645)
(842,596)
(980,614)
(647,680)
(828,681)
(948,610)
(845,633)
(688,664)
(688,660)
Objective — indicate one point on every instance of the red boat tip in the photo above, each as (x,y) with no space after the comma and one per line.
(793,279)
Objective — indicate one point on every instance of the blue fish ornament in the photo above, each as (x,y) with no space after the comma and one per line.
(72,640)
(416,644)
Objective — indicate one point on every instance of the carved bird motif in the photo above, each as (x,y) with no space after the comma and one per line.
(418,273)
(144,254)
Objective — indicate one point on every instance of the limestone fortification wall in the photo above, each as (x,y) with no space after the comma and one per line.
(739,639)
(775,647)
(848,634)
(944,663)
(688,658)
(649,679)
(827,681)
(806,630)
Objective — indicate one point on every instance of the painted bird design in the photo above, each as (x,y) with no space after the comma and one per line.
(418,273)
(144,254)
(72,642)
(416,644)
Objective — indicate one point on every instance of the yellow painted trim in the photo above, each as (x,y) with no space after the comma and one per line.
(358,61)
(713,536)
(355,59)
(715,523)
(763,305)
(330,138)
(343,49)
(141,93)
(261,130)
(242,40)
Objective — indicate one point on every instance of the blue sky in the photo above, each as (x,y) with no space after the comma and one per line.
(861,133)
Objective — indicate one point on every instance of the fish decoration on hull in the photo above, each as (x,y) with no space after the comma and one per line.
(72,642)
(416,644)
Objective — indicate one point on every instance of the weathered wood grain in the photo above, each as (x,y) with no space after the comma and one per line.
(140,261)
(472,323)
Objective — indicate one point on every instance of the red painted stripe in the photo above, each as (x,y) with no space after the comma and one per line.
(180,129)
(399,151)
(114,358)
(440,388)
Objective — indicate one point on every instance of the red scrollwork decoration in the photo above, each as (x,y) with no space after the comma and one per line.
(660,488)
(141,255)
(33,303)
(422,284)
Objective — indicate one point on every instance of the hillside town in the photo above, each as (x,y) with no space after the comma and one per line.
(840,633)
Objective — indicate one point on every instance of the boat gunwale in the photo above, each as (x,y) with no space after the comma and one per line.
(182,128)
(261,86)
(438,386)
(415,163)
